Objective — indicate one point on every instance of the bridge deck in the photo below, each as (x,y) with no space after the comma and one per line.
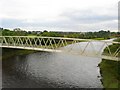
(53,44)
(51,50)
(33,48)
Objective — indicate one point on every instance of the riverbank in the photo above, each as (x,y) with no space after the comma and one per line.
(110,73)
(7,52)
(110,70)
(101,38)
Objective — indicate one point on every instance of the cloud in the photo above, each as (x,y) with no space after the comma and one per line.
(66,25)
(67,15)
(90,16)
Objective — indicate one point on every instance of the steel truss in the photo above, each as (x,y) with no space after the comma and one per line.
(55,44)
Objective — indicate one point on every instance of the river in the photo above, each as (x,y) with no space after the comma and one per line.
(52,70)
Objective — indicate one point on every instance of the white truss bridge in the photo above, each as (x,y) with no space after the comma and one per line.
(85,47)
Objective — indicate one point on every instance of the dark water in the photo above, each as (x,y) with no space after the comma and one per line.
(0,73)
(51,70)
(0,68)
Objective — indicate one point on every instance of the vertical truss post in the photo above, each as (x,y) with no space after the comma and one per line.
(6,43)
(116,52)
(85,47)
(54,43)
(93,48)
(108,49)
(101,49)
(51,44)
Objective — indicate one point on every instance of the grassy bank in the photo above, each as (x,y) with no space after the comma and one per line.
(117,40)
(7,52)
(110,71)
(100,38)
(112,48)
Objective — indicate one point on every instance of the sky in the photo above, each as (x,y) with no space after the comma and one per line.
(59,15)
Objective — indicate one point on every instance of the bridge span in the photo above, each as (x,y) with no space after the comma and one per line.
(85,47)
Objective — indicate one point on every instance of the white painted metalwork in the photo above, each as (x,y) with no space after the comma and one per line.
(55,44)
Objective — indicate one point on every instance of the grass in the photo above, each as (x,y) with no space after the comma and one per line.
(117,40)
(7,52)
(110,71)
(99,39)
(112,48)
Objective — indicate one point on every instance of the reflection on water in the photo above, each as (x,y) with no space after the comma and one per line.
(51,70)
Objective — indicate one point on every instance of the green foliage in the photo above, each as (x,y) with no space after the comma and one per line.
(111,69)
(51,34)
(112,48)
(7,32)
(110,72)
(117,40)
(74,35)
(8,52)
(100,35)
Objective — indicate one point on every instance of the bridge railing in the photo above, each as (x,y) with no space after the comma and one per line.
(72,45)
(38,42)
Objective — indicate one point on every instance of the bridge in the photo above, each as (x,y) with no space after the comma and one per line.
(85,47)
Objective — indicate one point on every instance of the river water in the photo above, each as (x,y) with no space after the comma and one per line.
(52,70)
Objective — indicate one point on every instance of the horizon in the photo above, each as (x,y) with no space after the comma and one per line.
(59,30)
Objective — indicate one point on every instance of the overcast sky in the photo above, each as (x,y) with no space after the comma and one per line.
(59,15)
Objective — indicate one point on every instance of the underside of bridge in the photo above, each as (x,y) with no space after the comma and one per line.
(83,47)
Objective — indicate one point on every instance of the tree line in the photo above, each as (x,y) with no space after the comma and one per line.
(83,35)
